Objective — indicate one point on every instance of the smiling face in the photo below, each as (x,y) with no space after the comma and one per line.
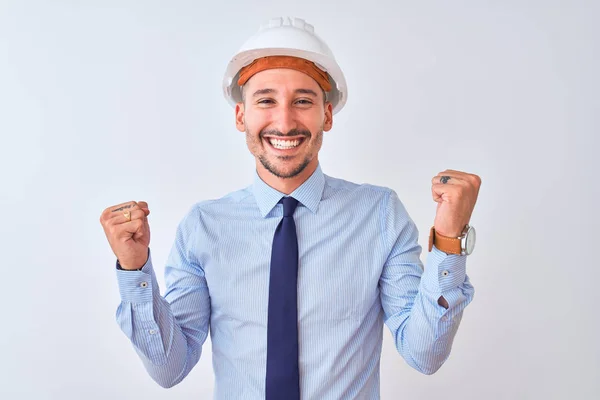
(284,116)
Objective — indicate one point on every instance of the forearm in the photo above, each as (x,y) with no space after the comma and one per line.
(424,333)
(166,346)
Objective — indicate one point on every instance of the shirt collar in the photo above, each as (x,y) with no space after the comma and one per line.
(309,193)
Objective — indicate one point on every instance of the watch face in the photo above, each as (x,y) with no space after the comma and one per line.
(470,241)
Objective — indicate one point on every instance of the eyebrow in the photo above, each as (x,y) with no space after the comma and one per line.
(307,91)
(273,91)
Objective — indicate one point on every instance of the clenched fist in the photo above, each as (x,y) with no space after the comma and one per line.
(127,230)
(456,194)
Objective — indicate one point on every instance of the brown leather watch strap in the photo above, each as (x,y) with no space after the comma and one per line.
(446,244)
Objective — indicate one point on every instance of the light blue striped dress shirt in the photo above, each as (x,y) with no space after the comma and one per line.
(359,268)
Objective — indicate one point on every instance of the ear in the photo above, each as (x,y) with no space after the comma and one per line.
(239,117)
(328,117)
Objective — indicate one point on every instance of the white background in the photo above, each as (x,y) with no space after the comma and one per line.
(103,102)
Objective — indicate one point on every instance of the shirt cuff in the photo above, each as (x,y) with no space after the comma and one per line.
(136,286)
(443,272)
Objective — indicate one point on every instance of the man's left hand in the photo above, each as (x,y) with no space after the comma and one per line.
(456,199)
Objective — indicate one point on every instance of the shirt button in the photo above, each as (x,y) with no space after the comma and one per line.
(152,331)
(144,284)
(445,273)
(444,318)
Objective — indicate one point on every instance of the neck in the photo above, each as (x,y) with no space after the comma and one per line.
(286,185)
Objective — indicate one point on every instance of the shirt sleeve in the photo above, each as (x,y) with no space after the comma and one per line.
(422,329)
(167,332)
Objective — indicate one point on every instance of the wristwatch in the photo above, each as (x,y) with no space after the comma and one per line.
(462,245)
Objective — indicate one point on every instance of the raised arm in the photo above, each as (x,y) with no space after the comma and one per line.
(423,329)
(167,332)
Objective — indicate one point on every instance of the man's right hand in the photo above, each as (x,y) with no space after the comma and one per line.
(129,239)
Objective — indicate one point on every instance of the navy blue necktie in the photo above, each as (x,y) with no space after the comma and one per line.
(283,376)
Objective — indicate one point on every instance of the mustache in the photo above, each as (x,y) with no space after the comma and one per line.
(293,132)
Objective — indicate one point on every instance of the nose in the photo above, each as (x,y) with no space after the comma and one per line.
(285,119)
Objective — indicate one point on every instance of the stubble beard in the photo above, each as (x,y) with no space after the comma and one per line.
(278,172)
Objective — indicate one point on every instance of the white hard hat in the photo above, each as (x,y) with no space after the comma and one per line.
(286,37)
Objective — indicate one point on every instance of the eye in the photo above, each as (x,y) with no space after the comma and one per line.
(304,102)
(265,101)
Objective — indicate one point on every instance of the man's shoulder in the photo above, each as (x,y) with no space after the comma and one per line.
(235,197)
(338,184)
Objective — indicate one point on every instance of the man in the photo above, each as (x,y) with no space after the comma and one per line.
(296,274)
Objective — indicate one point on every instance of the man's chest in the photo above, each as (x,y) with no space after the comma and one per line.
(338,271)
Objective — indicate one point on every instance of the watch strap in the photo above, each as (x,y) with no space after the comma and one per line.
(446,244)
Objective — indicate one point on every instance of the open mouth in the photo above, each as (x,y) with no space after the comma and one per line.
(288,144)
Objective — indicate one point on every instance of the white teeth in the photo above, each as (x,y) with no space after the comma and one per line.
(284,144)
